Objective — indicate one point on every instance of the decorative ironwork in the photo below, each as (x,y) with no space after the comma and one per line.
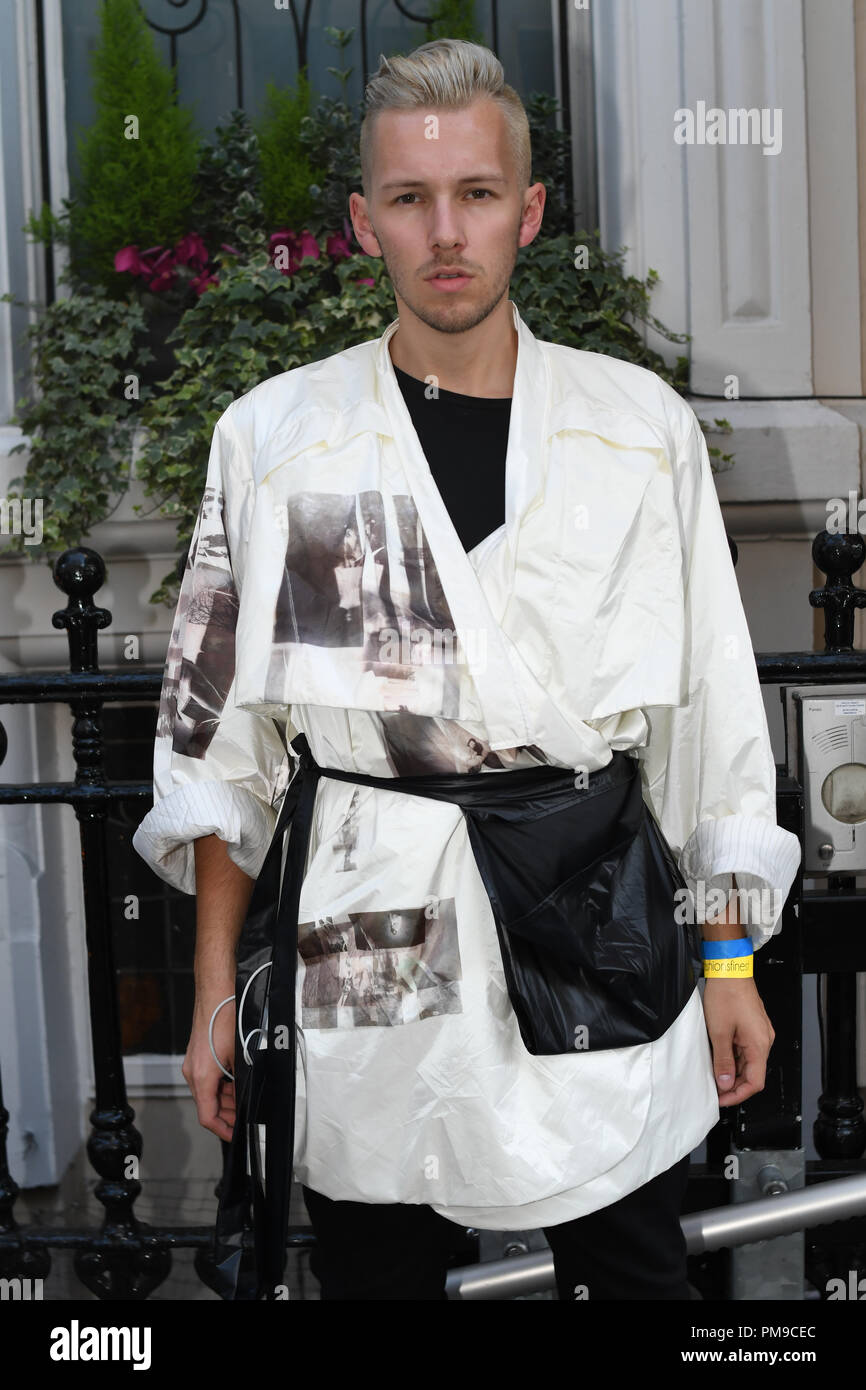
(300,26)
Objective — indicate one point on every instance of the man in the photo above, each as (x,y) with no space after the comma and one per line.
(554,512)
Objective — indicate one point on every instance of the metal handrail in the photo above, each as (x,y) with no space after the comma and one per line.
(739,1223)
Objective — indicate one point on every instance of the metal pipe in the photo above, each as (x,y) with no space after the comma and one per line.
(739,1223)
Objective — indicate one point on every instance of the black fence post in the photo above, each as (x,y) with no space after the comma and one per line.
(114,1146)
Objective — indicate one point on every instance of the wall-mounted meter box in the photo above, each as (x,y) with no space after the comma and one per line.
(825,737)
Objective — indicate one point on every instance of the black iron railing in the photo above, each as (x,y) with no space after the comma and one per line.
(189,14)
(127,1259)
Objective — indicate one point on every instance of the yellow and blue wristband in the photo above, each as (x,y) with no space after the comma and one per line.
(731,960)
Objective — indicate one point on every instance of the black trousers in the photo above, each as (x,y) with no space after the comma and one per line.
(632,1249)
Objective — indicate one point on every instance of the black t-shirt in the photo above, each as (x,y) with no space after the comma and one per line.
(464,439)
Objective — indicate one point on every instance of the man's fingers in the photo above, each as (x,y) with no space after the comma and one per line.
(740,1093)
(207,1096)
(751,1075)
(214,1121)
(724,1062)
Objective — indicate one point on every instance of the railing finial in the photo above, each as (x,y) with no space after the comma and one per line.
(839,554)
(79,572)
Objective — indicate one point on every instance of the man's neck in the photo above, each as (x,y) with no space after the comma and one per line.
(480,362)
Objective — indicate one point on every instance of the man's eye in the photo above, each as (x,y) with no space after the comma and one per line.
(401,196)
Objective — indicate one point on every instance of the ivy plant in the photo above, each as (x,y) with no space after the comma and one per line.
(79,422)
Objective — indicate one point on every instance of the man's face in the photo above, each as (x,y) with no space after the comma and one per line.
(451,200)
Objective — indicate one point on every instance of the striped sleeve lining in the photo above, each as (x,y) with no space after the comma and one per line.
(762,855)
(164,838)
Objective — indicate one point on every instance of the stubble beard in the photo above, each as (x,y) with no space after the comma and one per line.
(451,317)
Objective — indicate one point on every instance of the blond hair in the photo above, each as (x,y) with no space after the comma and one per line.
(448,74)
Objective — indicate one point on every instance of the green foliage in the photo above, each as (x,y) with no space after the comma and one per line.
(130,191)
(286,175)
(453,19)
(340,38)
(329,137)
(47,226)
(595,308)
(79,423)
(228,199)
(551,162)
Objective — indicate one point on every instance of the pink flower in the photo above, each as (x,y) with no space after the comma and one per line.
(338,246)
(203,281)
(365,282)
(163,281)
(309,246)
(128,258)
(230,250)
(149,258)
(163,263)
(191,250)
(159,264)
(298,248)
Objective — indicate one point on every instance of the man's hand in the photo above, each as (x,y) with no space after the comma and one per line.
(223,893)
(741,1035)
(213,1093)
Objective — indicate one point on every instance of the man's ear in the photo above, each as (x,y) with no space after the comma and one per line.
(364,234)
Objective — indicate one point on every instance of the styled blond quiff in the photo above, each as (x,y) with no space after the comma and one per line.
(447,74)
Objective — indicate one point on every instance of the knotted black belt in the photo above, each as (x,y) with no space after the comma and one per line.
(581,884)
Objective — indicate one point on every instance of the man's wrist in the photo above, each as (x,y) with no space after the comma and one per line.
(728,958)
(208,995)
(727,925)
(723,931)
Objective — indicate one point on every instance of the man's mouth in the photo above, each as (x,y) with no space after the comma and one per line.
(451,279)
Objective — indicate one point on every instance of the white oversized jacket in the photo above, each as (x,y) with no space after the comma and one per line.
(327,591)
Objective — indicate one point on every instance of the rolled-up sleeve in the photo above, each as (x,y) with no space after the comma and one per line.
(217,769)
(708,769)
